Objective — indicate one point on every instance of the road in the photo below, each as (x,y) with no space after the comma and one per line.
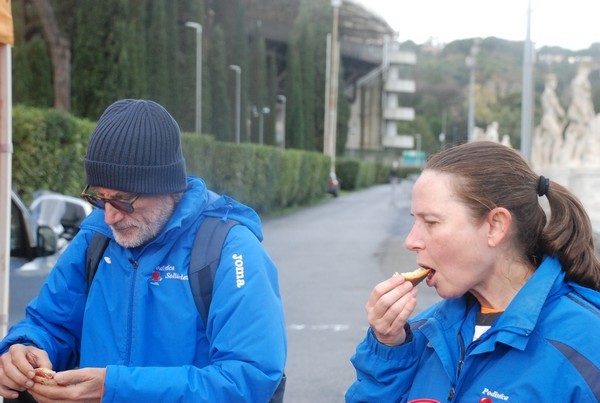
(26,279)
(330,256)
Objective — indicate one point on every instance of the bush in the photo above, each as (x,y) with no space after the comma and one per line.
(357,174)
(49,148)
(264,177)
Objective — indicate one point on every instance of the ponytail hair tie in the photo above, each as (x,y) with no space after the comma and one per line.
(543,185)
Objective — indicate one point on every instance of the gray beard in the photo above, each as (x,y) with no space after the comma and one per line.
(147,228)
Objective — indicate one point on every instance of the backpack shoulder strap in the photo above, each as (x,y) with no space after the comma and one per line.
(93,255)
(205,258)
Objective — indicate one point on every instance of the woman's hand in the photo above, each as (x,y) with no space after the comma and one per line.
(390,305)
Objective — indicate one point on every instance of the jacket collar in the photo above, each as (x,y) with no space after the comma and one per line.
(519,320)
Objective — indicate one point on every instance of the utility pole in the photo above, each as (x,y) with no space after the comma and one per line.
(198,29)
(527,96)
(238,99)
(331,96)
(471,63)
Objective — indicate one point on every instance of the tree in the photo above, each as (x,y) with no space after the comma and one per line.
(258,80)
(60,54)
(306,72)
(32,68)
(219,120)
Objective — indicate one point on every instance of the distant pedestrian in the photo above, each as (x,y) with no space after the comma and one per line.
(394,178)
(520,318)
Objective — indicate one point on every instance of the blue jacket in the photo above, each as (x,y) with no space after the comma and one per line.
(544,348)
(140,320)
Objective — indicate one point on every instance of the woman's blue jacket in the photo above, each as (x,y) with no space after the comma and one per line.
(544,348)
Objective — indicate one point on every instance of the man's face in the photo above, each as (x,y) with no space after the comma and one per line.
(150,215)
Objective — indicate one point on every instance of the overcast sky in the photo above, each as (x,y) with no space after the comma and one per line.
(571,24)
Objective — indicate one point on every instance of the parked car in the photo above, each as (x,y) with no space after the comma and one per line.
(28,239)
(38,234)
(333,186)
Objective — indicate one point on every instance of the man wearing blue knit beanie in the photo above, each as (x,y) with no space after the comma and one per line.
(133,332)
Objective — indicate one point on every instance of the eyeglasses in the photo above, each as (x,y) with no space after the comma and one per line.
(125,206)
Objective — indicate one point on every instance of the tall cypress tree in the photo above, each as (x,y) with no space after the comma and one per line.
(157,60)
(100,59)
(220,121)
(295,116)
(306,91)
(258,80)
(31,65)
(231,16)
(271,98)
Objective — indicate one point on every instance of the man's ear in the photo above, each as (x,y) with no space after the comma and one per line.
(499,221)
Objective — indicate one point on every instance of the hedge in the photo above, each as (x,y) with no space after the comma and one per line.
(49,147)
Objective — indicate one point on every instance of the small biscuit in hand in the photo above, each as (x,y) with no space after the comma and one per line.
(44,376)
(415,276)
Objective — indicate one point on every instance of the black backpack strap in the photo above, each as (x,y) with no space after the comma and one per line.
(279,392)
(205,258)
(93,255)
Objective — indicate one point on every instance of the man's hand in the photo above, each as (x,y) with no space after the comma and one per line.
(16,368)
(390,305)
(79,385)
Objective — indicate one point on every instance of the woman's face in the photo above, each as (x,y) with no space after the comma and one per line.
(447,238)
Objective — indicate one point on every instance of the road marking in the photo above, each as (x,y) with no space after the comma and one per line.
(334,327)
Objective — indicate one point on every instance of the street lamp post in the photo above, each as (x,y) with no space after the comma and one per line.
(471,63)
(329,140)
(238,92)
(198,29)
(282,99)
(419,139)
(261,117)
(527,94)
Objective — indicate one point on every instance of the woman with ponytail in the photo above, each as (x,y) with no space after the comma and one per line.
(520,315)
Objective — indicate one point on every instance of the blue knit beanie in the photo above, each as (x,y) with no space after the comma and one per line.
(136,148)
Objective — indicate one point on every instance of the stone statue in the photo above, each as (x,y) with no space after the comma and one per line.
(491,132)
(548,137)
(591,157)
(580,114)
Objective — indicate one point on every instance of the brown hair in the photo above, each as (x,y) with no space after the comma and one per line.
(489,175)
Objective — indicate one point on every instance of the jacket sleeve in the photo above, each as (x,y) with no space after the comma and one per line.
(245,331)
(53,319)
(383,373)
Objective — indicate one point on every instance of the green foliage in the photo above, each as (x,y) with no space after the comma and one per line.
(357,174)
(142,48)
(258,81)
(32,74)
(49,147)
(219,121)
(306,82)
(199,150)
(264,177)
(31,65)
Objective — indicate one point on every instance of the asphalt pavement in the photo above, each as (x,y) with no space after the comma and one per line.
(330,257)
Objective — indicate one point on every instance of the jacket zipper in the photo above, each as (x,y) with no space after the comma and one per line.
(461,362)
(134,265)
